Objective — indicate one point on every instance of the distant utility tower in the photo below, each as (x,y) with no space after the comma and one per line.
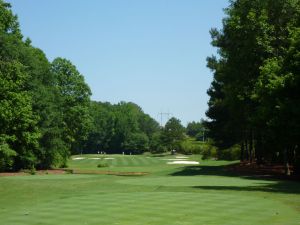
(161,117)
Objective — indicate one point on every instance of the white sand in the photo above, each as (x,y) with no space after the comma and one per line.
(94,158)
(109,158)
(77,158)
(184,162)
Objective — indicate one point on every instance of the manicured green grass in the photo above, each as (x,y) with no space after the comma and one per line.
(169,194)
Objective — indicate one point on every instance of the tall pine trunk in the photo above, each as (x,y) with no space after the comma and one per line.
(242,156)
(246,150)
(259,149)
(286,162)
(251,147)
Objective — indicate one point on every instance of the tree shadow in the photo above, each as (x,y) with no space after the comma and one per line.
(287,187)
(278,184)
(203,170)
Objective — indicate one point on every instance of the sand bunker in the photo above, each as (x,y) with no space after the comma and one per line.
(109,158)
(94,158)
(77,158)
(184,162)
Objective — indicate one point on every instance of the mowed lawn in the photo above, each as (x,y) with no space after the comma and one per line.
(163,194)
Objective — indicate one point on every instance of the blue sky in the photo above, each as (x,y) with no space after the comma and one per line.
(150,52)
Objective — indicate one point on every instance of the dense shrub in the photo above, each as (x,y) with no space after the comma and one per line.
(191,147)
(102,164)
(209,151)
(6,157)
(232,153)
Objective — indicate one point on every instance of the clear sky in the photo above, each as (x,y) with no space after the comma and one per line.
(150,52)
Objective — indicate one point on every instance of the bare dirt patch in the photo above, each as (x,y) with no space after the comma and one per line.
(6,174)
(38,172)
(56,171)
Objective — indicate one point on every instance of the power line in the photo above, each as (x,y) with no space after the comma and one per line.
(164,114)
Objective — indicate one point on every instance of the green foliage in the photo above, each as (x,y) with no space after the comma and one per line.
(7,156)
(33,98)
(156,145)
(8,21)
(195,128)
(18,123)
(200,136)
(32,171)
(46,113)
(256,81)
(137,143)
(102,164)
(232,153)
(209,151)
(172,134)
(120,127)
(102,129)
(74,96)
(191,146)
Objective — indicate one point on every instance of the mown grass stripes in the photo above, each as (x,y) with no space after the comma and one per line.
(151,208)
(169,195)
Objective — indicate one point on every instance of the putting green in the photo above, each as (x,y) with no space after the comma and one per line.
(152,208)
(192,181)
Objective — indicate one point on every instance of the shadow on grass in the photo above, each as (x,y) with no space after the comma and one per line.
(204,170)
(277,186)
(287,187)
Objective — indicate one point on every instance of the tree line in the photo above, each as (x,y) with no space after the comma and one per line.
(43,105)
(254,96)
(46,113)
(125,128)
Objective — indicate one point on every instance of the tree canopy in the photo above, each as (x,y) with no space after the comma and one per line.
(118,128)
(46,113)
(254,100)
(173,133)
